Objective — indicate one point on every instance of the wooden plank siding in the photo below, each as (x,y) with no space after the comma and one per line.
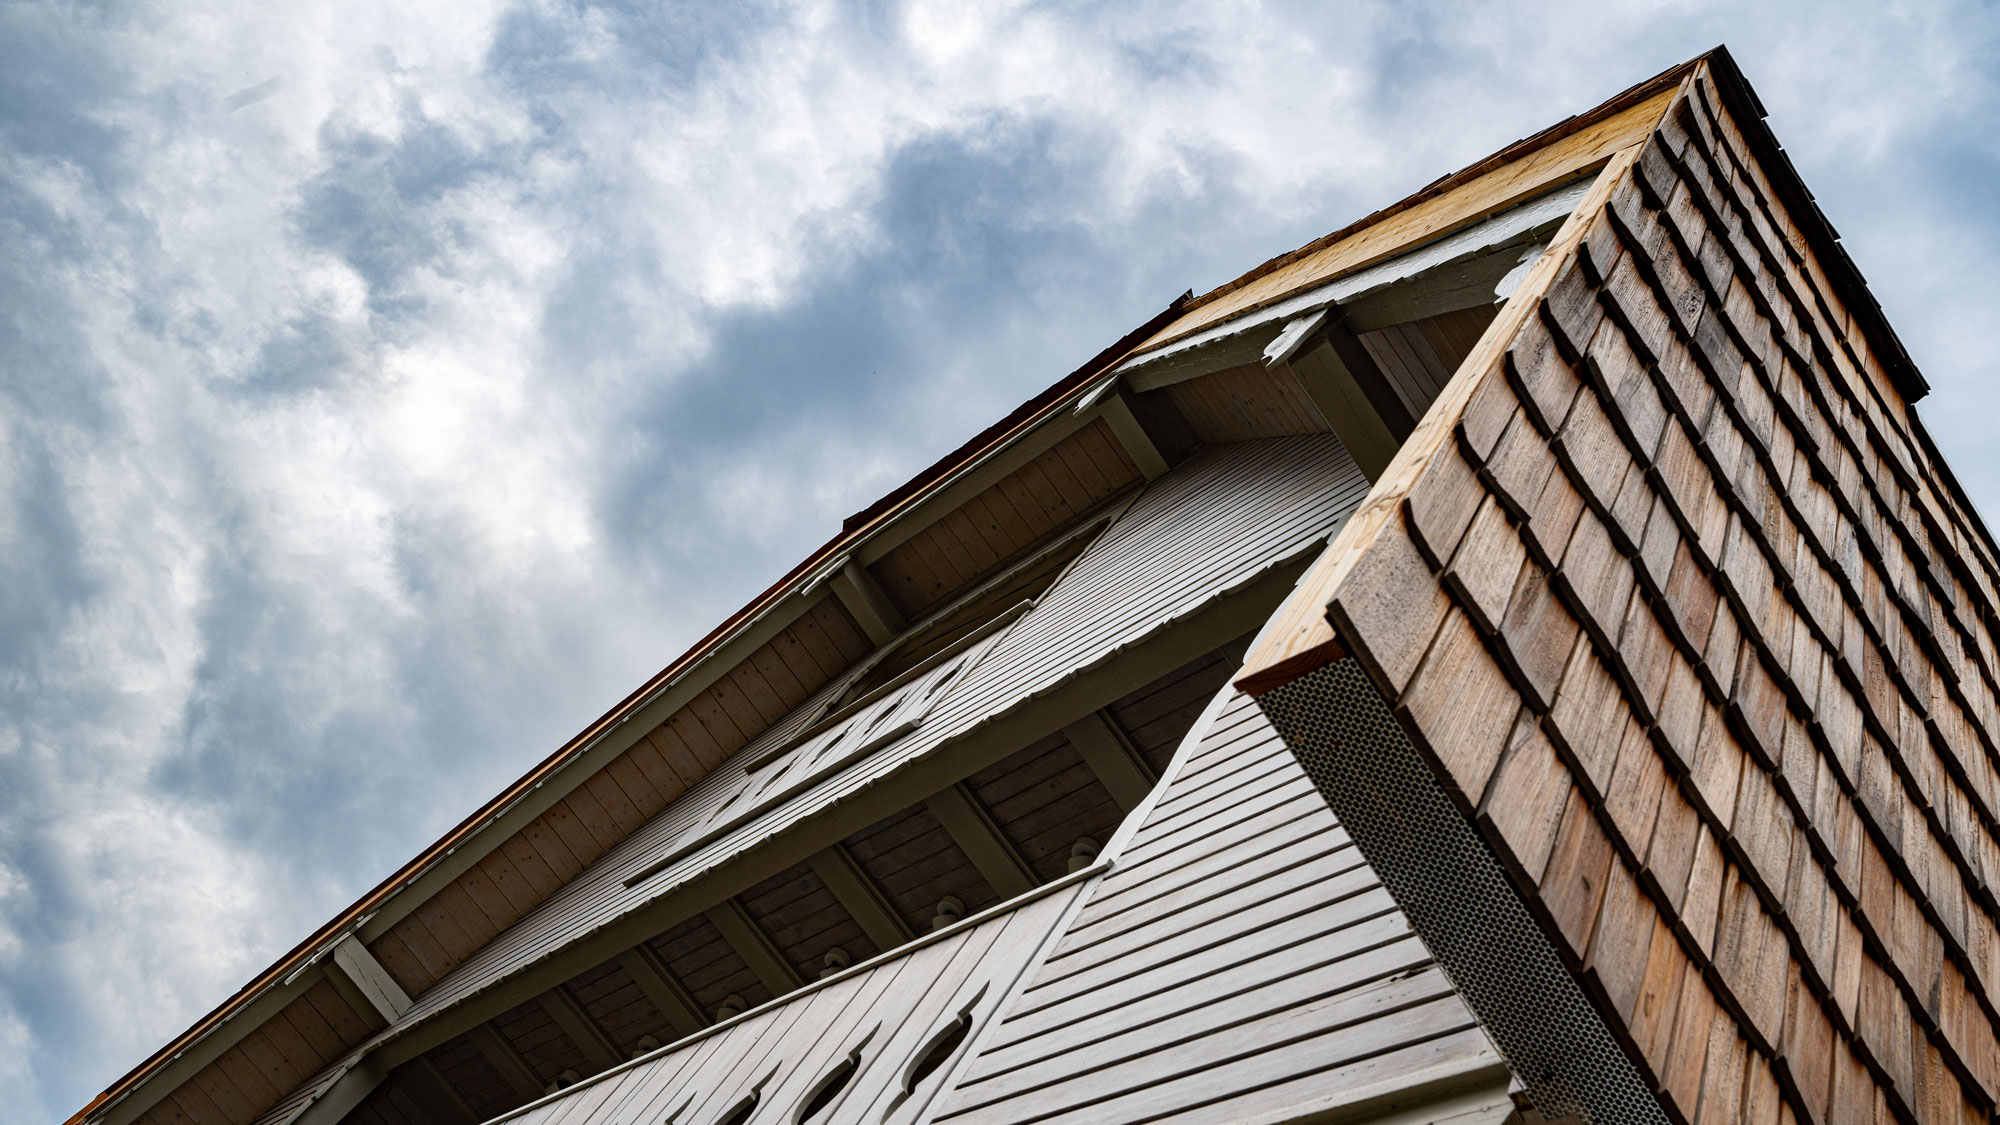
(1660,604)
(544,856)
(254,1076)
(1067,480)
(1224,516)
(1247,402)
(1419,357)
(1240,959)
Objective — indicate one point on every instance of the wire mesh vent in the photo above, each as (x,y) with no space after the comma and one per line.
(1458,898)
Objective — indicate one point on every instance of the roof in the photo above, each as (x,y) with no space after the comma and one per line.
(1447,204)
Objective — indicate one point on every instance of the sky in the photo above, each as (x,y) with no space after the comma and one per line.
(387,388)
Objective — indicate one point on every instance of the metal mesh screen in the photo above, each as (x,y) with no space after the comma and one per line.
(1459,899)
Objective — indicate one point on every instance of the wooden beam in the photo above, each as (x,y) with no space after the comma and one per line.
(866,603)
(1442,274)
(1112,757)
(666,992)
(339,1099)
(435,1096)
(1225,620)
(750,942)
(989,849)
(513,1069)
(1300,638)
(562,1006)
(1131,434)
(1463,284)
(364,982)
(1345,403)
(858,894)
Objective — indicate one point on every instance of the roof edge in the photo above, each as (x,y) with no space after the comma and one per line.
(853,529)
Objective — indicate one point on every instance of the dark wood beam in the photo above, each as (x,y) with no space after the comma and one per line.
(1112,757)
(665,991)
(441,1104)
(976,834)
(861,898)
(502,1057)
(582,1031)
(1353,395)
(752,944)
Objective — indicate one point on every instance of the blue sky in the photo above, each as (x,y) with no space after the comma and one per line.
(386,388)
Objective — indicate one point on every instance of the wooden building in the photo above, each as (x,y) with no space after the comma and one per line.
(1518,657)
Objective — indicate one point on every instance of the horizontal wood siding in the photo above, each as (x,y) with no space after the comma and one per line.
(1222,517)
(1217,521)
(1683,615)
(1241,954)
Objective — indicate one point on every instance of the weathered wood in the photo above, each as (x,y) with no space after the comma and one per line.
(365,983)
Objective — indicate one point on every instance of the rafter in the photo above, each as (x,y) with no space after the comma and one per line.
(976,834)
(861,898)
(501,1055)
(365,984)
(582,1031)
(441,1104)
(750,942)
(665,991)
(1131,434)
(866,603)
(1112,757)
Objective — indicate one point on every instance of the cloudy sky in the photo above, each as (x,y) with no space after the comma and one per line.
(386,388)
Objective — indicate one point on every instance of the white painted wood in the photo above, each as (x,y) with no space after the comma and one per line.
(339,1099)
(355,967)
(1125,426)
(1294,335)
(866,603)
